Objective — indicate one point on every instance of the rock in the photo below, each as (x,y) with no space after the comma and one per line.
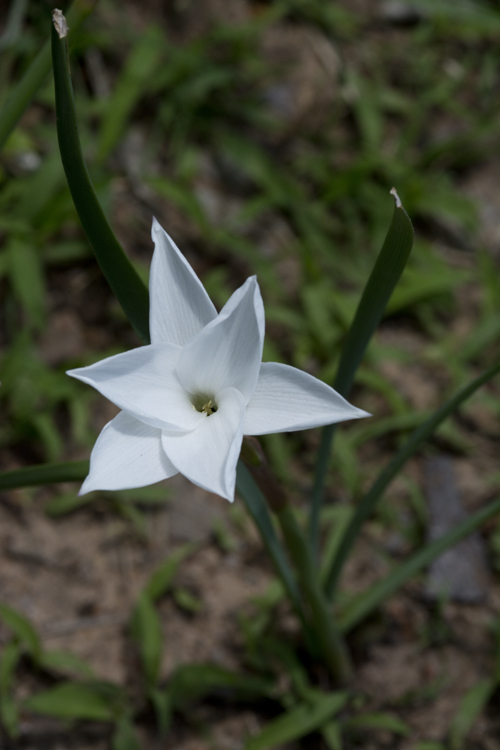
(461,573)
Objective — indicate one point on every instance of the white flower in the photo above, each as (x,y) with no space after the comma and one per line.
(188,398)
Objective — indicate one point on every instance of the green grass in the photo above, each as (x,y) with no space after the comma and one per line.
(188,131)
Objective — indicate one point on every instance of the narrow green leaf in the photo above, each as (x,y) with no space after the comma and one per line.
(378,721)
(369,600)
(420,435)
(13,25)
(146,630)
(9,715)
(328,640)
(61,505)
(162,704)
(65,662)
(73,700)
(192,682)
(257,508)
(124,737)
(117,268)
(332,734)
(161,580)
(186,601)
(26,276)
(23,629)
(385,275)
(133,515)
(9,660)
(33,476)
(29,84)
(340,515)
(37,191)
(298,722)
(131,85)
(471,705)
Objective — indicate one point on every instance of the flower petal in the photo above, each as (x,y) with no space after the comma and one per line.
(144,383)
(180,306)
(227,353)
(127,454)
(208,455)
(287,399)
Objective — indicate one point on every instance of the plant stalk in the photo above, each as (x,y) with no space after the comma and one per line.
(331,642)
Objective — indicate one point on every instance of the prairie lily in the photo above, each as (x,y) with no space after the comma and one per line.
(188,398)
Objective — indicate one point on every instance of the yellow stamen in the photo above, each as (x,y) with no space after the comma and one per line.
(208,408)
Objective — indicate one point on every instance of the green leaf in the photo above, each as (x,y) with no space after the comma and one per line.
(385,275)
(65,662)
(161,580)
(332,735)
(257,508)
(39,189)
(26,277)
(124,737)
(9,715)
(23,92)
(418,284)
(187,601)
(298,722)
(378,721)
(328,640)
(182,197)
(162,704)
(73,700)
(8,708)
(418,437)
(23,629)
(33,476)
(129,511)
(340,515)
(131,85)
(471,705)
(146,630)
(367,601)
(191,682)
(61,505)
(123,279)
(8,662)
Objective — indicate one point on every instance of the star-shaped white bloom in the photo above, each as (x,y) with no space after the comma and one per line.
(188,398)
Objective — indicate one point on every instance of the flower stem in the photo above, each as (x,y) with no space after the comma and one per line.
(330,640)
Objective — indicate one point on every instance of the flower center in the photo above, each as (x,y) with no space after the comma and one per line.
(204,403)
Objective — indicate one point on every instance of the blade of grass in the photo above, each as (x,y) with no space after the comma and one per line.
(32,476)
(369,600)
(369,501)
(385,275)
(24,91)
(118,270)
